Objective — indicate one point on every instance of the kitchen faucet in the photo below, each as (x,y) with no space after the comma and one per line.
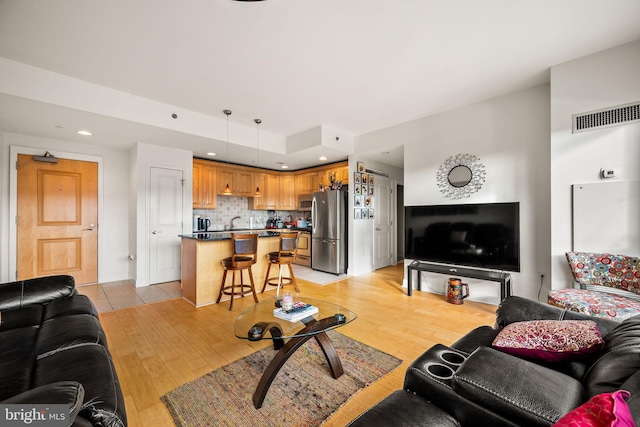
(231,223)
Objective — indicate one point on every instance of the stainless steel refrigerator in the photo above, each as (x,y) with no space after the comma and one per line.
(329,231)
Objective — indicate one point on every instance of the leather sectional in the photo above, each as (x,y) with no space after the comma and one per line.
(53,350)
(470,383)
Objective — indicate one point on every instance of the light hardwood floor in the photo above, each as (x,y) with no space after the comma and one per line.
(157,347)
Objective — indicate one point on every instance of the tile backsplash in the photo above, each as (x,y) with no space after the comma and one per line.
(229,207)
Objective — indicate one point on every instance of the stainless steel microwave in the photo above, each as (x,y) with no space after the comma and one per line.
(304,202)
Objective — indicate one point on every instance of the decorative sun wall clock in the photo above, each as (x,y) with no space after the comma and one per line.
(460,176)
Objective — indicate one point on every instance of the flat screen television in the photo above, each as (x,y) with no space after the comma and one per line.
(483,235)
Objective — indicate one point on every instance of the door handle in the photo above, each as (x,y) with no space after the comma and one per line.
(378,229)
(88,229)
(156,232)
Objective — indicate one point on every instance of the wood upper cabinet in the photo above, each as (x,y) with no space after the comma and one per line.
(240,181)
(287,198)
(343,174)
(269,187)
(280,190)
(308,182)
(301,183)
(196,184)
(273,191)
(204,185)
(244,183)
(225,177)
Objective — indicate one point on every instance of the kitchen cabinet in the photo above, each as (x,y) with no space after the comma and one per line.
(300,184)
(240,181)
(269,185)
(278,192)
(308,182)
(244,183)
(260,203)
(287,199)
(204,185)
(341,173)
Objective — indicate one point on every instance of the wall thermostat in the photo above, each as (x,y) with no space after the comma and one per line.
(608,173)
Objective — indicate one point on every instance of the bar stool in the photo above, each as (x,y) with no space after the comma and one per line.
(245,248)
(285,256)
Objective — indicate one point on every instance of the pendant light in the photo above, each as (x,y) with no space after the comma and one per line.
(257,121)
(227,190)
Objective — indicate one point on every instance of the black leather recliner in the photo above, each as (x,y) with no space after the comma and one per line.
(53,351)
(472,384)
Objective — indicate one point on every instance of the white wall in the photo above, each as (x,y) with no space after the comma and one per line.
(112,227)
(510,135)
(601,80)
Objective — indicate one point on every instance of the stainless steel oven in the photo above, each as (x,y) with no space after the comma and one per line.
(304,249)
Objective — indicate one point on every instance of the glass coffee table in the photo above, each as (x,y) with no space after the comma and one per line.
(257,322)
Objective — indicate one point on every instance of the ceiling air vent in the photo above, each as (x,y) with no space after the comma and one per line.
(608,117)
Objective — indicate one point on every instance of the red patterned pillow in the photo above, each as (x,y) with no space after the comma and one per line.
(602,410)
(550,340)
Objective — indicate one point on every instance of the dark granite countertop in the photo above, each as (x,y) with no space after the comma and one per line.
(226,235)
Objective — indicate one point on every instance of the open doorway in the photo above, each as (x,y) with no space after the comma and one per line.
(400,222)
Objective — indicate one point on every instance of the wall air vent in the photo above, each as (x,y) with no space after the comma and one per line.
(608,117)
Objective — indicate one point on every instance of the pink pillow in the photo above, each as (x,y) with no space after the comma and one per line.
(602,410)
(550,340)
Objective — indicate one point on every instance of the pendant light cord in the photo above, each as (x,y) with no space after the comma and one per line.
(227,191)
(228,113)
(257,121)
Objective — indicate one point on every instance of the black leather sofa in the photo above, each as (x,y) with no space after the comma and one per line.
(481,386)
(53,351)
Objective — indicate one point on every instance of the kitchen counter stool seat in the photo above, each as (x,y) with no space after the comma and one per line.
(245,248)
(284,256)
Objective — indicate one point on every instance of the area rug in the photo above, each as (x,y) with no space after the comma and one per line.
(303,393)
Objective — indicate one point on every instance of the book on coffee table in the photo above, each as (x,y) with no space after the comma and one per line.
(299,311)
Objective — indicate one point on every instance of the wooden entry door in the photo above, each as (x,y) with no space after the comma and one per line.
(57,219)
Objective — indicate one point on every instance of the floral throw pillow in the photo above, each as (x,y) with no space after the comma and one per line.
(602,410)
(550,340)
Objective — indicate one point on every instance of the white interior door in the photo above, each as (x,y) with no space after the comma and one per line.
(384,216)
(165,224)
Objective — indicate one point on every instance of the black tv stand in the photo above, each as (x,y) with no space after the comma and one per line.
(495,276)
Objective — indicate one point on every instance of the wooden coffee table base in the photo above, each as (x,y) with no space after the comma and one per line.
(313,329)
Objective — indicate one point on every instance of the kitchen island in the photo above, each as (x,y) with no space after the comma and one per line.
(201,268)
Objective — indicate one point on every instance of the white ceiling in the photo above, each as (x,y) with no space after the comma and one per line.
(355,66)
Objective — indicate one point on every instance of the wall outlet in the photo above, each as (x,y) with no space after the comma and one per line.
(608,173)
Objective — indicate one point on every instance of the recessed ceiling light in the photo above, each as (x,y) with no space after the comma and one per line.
(284,167)
(322,158)
(84,132)
(211,153)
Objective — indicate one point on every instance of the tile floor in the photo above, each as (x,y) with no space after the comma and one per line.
(123,293)
(315,276)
